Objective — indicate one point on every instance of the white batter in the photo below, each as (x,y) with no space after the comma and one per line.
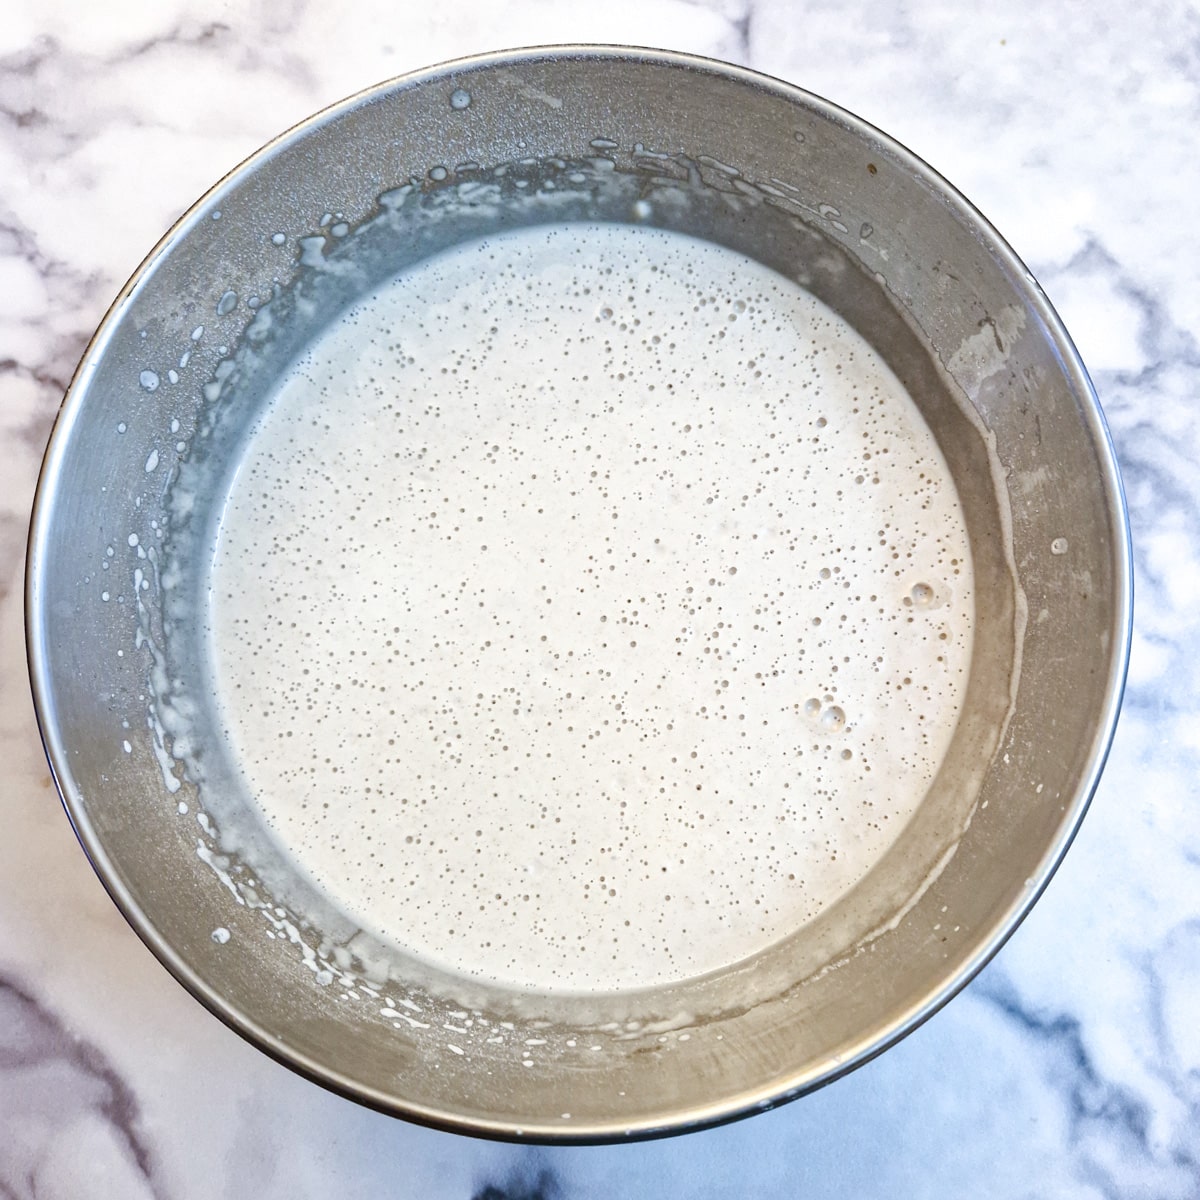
(592,608)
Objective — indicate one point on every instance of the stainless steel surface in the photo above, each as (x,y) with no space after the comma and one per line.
(709,149)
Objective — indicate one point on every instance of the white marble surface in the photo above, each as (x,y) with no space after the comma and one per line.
(1071,1067)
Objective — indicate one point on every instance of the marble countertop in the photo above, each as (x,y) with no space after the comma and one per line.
(1071,1066)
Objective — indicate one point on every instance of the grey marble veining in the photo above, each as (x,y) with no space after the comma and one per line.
(56,1081)
(1071,1066)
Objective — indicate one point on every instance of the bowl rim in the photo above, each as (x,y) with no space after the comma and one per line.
(692,1116)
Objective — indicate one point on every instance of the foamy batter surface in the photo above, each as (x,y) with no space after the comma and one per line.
(592,608)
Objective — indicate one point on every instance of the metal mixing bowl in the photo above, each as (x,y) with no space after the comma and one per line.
(171,382)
